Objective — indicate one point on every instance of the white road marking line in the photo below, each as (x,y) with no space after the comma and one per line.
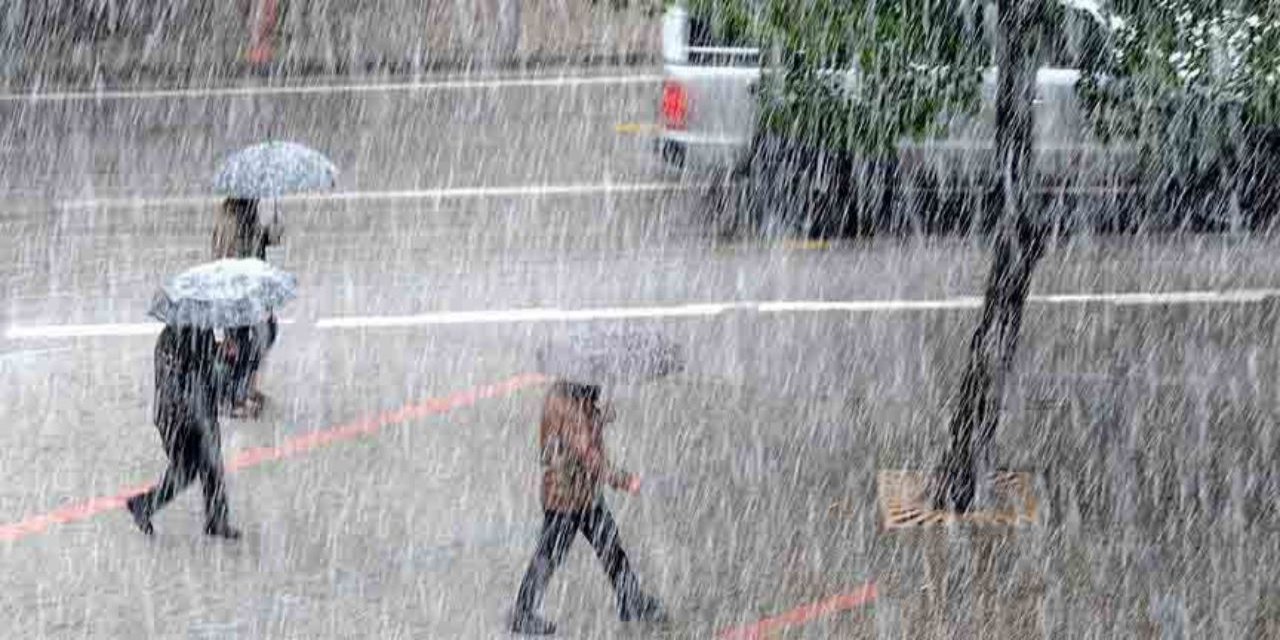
(444,193)
(786,306)
(83,330)
(124,329)
(691,310)
(439,85)
(1235,296)
(525,315)
(1172,297)
(30,353)
(967,302)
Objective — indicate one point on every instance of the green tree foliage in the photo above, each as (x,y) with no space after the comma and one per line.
(1163,52)
(860,75)
(1189,80)
(914,65)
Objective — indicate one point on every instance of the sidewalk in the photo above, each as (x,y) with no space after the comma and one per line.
(210,42)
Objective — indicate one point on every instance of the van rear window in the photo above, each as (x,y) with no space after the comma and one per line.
(705,32)
(1072,37)
(715,41)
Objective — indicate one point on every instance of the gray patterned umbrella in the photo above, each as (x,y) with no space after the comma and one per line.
(605,355)
(223,294)
(273,169)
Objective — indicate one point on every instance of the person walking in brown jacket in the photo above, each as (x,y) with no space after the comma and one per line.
(238,233)
(571,438)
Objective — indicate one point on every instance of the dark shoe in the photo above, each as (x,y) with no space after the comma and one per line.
(531,624)
(224,531)
(644,609)
(140,515)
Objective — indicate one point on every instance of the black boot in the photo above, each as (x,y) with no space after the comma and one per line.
(141,518)
(643,608)
(531,624)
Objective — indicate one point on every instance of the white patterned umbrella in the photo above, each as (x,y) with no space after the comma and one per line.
(605,355)
(273,169)
(223,294)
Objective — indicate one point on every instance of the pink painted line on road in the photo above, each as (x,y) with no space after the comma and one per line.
(291,447)
(864,595)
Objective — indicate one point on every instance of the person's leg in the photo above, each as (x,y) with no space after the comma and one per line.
(264,338)
(241,383)
(256,352)
(273,332)
(558,530)
(175,479)
(211,480)
(183,453)
(599,527)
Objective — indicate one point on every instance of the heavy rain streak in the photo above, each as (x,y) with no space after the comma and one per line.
(639,318)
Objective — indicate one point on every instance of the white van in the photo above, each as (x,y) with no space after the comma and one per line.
(708,112)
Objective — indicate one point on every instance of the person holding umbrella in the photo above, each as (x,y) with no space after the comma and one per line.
(575,467)
(268,170)
(238,233)
(186,414)
(196,306)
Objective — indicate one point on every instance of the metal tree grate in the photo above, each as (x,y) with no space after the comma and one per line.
(903,497)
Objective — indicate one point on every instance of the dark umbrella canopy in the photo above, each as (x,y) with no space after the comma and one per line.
(223,294)
(609,355)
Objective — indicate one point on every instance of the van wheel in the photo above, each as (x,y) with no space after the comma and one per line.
(726,208)
(673,153)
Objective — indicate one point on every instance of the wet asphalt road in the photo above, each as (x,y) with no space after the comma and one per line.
(761,456)
(441,132)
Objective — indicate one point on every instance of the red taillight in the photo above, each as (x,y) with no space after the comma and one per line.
(675,105)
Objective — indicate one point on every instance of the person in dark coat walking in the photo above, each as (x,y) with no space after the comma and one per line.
(571,438)
(186,415)
(239,233)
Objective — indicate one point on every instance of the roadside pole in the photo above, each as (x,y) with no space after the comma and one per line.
(262,26)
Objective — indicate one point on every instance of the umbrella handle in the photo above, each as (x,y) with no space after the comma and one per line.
(275,224)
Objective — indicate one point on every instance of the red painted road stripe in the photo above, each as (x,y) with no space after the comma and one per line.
(291,447)
(863,595)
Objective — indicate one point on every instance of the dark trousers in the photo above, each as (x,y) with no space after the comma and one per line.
(252,345)
(193,451)
(558,531)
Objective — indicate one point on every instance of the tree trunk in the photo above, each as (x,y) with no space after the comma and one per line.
(1019,244)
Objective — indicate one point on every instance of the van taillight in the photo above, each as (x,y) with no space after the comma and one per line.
(675,105)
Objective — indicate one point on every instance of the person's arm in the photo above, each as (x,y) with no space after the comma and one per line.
(607,415)
(616,476)
(588,448)
(274,232)
(619,478)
